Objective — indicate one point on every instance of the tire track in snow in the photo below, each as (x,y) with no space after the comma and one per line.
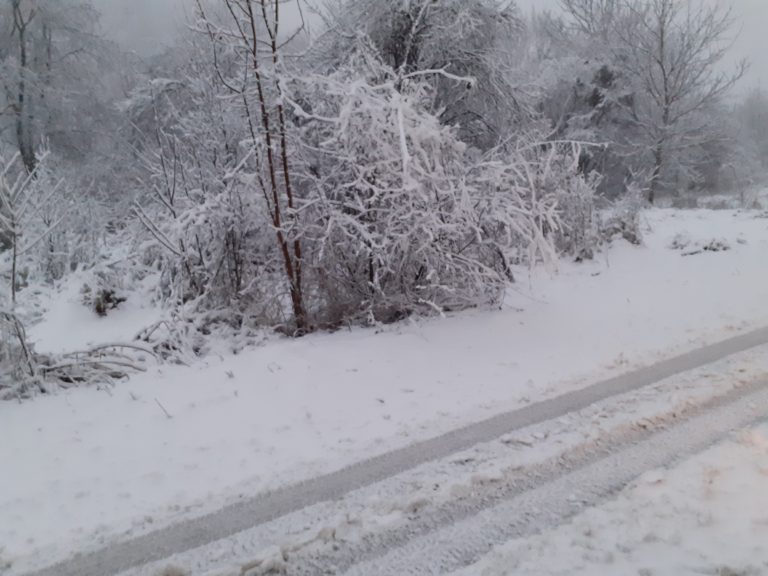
(240,516)
(346,554)
(460,544)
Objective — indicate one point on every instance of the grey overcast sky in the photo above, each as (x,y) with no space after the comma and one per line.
(145,25)
(141,25)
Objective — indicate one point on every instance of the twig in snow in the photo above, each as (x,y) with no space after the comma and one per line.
(168,414)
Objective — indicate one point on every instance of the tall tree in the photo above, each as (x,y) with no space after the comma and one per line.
(254,38)
(673,51)
(476,40)
(657,72)
(49,58)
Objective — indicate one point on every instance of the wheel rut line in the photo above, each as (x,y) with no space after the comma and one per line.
(517,483)
(460,542)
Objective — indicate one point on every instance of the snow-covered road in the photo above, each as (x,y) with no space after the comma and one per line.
(459,529)
(707,516)
(550,503)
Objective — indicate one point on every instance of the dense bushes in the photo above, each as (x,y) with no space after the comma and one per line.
(393,212)
(408,161)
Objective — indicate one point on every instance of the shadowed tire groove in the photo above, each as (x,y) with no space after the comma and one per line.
(547,503)
(742,406)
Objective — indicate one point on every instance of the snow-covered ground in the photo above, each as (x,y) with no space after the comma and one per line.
(424,495)
(707,516)
(69,326)
(85,466)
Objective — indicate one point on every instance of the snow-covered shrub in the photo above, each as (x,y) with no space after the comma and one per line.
(578,235)
(28,217)
(481,40)
(48,227)
(622,218)
(392,211)
(406,217)
(201,220)
(207,233)
(558,175)
(680,241)
(717,245)
(103,296)
(58,223)
(295,199)
(18,367)
(700,247)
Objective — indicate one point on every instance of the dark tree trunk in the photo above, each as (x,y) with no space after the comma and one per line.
(658,166)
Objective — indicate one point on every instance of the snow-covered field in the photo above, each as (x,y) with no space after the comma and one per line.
(86,466)
(707,516)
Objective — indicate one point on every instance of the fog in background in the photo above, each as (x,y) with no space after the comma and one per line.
(146,25)
(751,17)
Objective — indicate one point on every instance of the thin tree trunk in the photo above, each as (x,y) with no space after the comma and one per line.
(23,116)
(291,262)
(658,166)
(14,265)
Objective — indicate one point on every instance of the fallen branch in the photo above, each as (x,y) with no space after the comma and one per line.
(168,414)
(102,362)
(101,347)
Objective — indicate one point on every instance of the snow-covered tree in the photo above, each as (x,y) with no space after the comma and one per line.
(247,44)
(25,213)
(52,68)
(752,117)
(665,57)
(407,216)
(477,42)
